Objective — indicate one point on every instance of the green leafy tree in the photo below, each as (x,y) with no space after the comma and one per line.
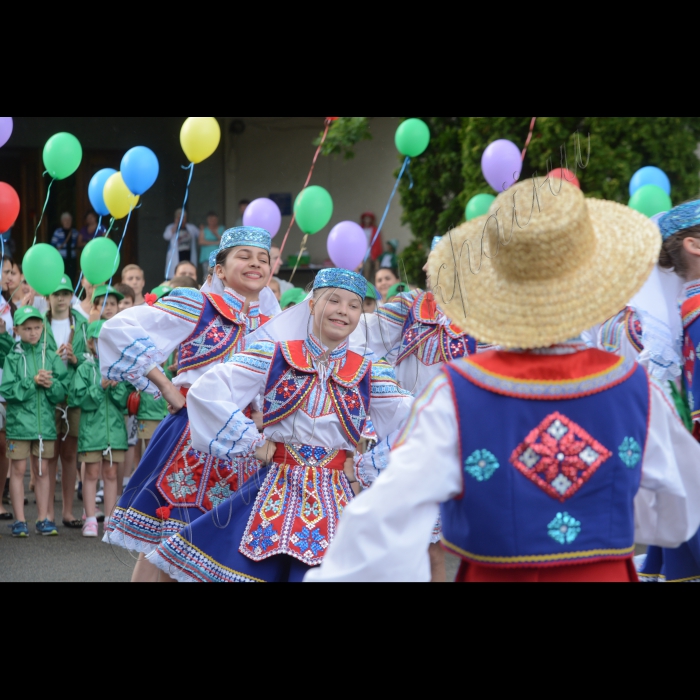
(449,174)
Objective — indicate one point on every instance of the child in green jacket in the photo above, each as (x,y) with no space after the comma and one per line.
(67,336)
(103,440)
(33,384)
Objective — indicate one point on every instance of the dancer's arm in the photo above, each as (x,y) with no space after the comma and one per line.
(218,399)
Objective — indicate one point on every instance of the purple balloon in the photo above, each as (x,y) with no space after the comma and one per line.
(347,245)
(5,130)
(502,164)
(263,213)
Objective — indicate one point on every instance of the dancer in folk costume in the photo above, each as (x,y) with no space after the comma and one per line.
(175,484)
(554,458)
(680,230)
(317,394)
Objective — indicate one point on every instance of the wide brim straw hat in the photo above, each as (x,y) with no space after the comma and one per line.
(545,265)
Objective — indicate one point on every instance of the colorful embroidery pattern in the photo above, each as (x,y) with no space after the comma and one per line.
(559,457)
(626,322)
(690,356)
(296,513)
(564,529)
(482,465)
(630,452)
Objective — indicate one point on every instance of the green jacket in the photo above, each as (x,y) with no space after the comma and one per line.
(31,410)
(150,409)
(79,325)
(102,410)
(7,343)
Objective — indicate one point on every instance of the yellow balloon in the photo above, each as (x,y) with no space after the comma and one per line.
(200,137)
(118,198)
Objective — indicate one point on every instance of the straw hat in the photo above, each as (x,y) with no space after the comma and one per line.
(546,276)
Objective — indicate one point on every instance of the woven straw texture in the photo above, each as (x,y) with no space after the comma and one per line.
(542,267)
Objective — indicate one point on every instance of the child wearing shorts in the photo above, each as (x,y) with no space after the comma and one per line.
(103,440)
(67,336)
(33,384)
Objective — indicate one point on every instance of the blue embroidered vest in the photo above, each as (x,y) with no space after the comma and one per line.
(293,378)
(220,332)
(433,342)
(552,451)
(690,311)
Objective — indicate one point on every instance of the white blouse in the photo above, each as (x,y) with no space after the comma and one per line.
(386,531)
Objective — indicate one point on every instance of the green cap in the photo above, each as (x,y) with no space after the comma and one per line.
(292,297)
(103,290)
(26,313)
(64,286)
(371,292)
(94,329)
(397,289)
(162,291)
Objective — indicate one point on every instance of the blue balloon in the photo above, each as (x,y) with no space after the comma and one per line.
(140,169)
(650,176)
(96,191)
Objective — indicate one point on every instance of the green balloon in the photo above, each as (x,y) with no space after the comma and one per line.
(43,269)
(651,200)
(62,155)
(479,206)
(313,209)
(413,138)
(100,260)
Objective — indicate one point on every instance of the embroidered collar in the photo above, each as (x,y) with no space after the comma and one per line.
(568,348)
(237,303)
(315,349)
(690,290)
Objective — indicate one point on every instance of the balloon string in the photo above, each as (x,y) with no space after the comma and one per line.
(94,236)
(301,252)
(529,137)
(46,203)
(116,260)
(406,165)
(306,184)
(189,167)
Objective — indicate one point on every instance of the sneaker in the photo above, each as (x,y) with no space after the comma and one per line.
(90,530)
(47,529)
(100,516)
(100,498)
(20,530)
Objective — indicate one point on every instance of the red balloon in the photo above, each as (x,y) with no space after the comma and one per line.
(567,175)
(9,207)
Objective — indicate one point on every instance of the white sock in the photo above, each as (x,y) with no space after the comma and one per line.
(92,521)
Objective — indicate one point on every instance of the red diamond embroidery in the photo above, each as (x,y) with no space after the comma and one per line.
(559,456)
(690,357)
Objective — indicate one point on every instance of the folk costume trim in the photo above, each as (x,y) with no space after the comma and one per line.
(627,322)
(690,310)
(535,378)
(546,560)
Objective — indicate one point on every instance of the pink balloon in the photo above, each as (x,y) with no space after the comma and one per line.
(5,130)
(263,213)
(502,164)
(564,174)
(347,245)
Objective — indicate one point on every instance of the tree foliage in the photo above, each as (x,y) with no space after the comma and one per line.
(449,174)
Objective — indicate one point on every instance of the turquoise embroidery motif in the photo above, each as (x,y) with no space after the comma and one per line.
(564,529)
(482,465)
(630,452)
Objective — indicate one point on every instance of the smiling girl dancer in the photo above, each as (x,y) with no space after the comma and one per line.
(317,396)
(175,484)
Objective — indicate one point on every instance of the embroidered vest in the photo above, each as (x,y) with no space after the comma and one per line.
(432,342)
(552,459)
(220,332)
(293,378)
(690,311)
(627,322)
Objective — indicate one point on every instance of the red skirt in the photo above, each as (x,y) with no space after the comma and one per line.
(600,572)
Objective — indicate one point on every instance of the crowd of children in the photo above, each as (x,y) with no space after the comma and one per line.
(57,410)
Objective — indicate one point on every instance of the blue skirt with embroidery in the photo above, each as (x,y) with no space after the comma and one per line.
(673,565)
(173,486)
(208,550)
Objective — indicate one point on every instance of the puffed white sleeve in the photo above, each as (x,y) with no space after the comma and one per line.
(667,507)
(217,401)
(380,334)
(385,533)
(141,339)
(390,408)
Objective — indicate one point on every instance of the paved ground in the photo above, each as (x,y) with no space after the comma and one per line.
(71,559)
